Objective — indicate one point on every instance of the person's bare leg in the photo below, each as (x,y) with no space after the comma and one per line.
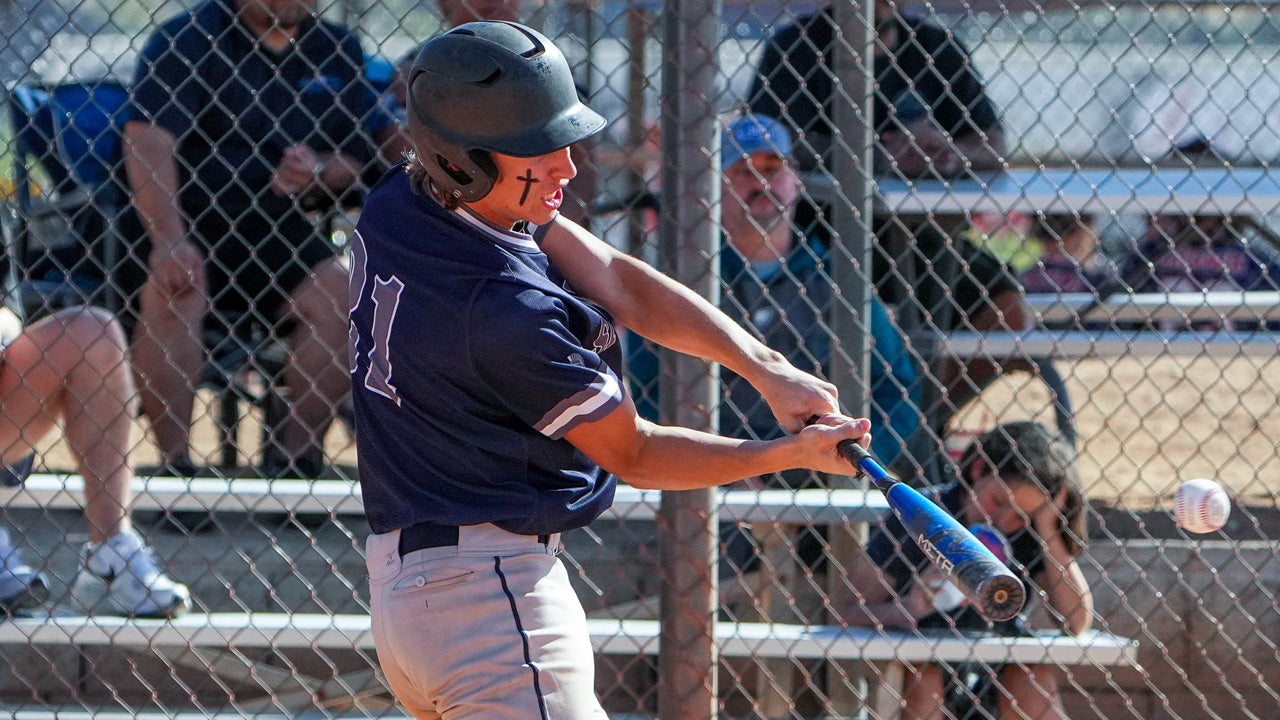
(167,355)
(73,365)
(1030,693)
(30,390)
(317,369)
(923,694)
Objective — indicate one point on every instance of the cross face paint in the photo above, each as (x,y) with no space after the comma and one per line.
(528,189)
(528,179)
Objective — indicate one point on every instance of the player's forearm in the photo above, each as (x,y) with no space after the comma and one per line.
(151,166)
(675,458)
(675,317)
(653,305)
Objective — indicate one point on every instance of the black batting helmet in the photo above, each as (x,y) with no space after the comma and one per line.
(491,87)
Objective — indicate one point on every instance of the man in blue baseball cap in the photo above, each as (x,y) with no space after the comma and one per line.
(776,283)
(751,134)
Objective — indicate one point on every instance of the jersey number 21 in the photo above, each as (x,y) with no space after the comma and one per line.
(384,293)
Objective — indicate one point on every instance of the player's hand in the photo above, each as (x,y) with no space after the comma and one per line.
(177,268)
(819,440)
(299,171)
(795,396)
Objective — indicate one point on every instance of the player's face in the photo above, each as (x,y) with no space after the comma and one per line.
(1006,506)
(527,189)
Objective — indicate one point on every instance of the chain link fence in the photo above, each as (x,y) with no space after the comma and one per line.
(1066,216)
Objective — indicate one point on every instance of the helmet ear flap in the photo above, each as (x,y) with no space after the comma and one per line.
(469,179)
(484,163)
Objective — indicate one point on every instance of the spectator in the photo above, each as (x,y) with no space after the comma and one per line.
(1192,253)
(932,115)
(1071,261)
(931,111)
(775,283)
(244,114)
(72,367)
(1018,482)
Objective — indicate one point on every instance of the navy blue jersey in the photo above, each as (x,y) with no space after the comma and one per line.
(470,361)
(235,105)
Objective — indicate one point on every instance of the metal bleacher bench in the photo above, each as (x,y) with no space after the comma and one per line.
(209,637)
(889,651)
(59,491)
(1073,343)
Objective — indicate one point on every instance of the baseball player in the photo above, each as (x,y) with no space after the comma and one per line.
(490,413)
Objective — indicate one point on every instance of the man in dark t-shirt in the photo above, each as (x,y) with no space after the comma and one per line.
(931,111)
(244,116)
(932,118)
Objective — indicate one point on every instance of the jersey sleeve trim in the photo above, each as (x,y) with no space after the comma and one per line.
(593,403)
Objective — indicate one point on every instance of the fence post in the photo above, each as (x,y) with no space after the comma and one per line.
(688,237)
(851,271)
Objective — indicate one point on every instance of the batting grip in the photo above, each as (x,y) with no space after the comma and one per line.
(988,584)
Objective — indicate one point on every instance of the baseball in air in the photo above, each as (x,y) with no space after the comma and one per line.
(1201,506)
(10,326)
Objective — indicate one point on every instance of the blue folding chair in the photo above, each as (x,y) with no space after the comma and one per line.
(68,194)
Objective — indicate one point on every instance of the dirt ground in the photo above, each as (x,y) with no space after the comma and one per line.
(1148,424)
(339,444)
(1145,426)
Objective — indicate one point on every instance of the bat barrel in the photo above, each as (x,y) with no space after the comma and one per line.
(990,586)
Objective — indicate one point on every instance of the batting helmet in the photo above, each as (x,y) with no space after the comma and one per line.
(491,87)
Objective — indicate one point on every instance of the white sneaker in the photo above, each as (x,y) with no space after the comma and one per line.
(120,577)
(21,586)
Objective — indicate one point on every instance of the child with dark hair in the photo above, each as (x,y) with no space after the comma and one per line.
(1016,485)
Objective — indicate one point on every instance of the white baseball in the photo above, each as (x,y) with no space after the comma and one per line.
(10,326)
(1201,506)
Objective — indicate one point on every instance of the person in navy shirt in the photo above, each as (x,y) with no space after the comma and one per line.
(245,115)
(485,371)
